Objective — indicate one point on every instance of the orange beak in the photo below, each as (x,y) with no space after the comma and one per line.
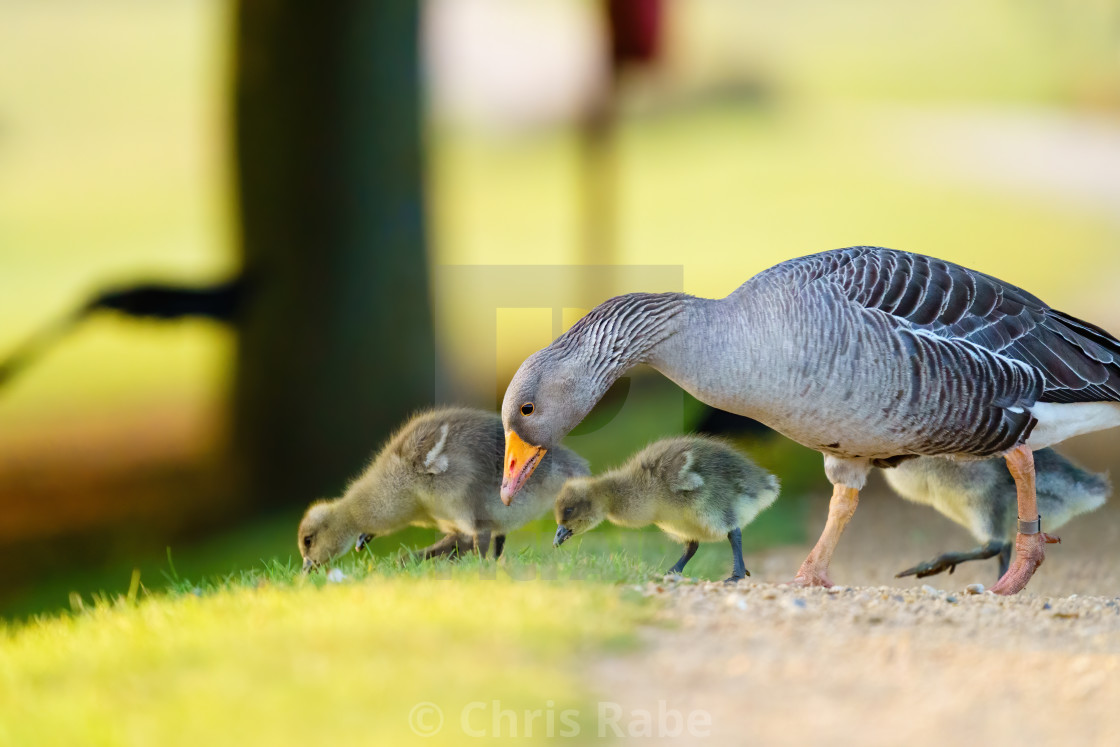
(521,459)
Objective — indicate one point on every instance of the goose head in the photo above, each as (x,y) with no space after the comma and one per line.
(547,397)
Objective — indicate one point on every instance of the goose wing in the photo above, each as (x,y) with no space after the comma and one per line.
(1077,361)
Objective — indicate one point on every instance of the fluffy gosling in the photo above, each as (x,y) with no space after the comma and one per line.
(442,469)
(980,496)
(695,489)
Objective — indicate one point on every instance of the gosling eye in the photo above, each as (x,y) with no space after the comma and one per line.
(527,408)
(307,542)
(568,512)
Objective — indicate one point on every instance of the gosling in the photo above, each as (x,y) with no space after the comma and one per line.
(696,489)
(441,469)
(980,496)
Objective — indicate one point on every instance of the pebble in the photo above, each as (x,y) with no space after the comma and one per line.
(736,600)
(974,589)
(794,604)
(971,613)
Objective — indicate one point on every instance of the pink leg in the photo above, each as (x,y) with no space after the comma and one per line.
(1029,548)
(814,571)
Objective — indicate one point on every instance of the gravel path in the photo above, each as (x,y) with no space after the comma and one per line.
(891,661)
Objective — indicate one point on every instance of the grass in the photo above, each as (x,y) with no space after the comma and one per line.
(203,645)
(219,657)
(276,660)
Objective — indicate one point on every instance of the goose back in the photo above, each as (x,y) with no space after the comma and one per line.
(872,353)
(1077,361)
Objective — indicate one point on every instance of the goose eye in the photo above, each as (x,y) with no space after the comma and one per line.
(307,542)
(568,512)
(527,408)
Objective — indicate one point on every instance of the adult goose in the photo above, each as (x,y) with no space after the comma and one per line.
(868,355)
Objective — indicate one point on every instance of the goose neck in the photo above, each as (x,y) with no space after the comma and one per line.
(622,332)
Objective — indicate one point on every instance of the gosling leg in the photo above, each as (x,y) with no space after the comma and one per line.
(814,571)
(499,545)
(950,560)
(738,567)
(452,544)
(1030,547)
(482,542)
(689,550)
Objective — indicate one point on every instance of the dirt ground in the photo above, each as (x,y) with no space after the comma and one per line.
(888,661)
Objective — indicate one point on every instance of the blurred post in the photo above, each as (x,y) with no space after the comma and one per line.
(336,343)
(632,32)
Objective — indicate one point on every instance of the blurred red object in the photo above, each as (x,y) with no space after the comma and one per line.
(635,31)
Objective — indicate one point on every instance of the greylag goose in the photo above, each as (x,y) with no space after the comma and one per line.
(694,489)
(980,496)
(868,355)
(442,469)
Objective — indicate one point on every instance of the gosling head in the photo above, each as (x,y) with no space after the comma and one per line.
(547,397)
(579,508)
(322,535)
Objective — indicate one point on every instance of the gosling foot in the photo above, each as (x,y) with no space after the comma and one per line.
(738,568)
(950,560)
(689,550)
(452,545)
(1030,551)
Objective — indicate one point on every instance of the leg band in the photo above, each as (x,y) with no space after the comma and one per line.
(1030,527)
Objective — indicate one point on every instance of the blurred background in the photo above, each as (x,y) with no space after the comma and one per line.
(240,241)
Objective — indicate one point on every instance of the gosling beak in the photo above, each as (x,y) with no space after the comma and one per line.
(363,539)
(562,535)
(521,459)
(308,565)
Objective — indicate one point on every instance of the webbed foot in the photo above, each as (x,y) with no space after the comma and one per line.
(808,577)
(1030,551)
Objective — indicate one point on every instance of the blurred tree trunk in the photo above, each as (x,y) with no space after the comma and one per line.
(336,340)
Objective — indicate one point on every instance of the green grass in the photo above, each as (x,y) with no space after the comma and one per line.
(261,654)
(274,659)
(204,645)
